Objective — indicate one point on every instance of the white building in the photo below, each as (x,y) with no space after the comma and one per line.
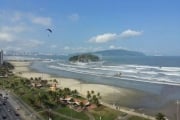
(1,57)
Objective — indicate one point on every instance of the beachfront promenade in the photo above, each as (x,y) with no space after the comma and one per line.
(128,111)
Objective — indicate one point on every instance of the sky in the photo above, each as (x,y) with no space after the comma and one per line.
(149,26)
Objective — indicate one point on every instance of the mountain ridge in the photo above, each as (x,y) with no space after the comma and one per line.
(118,52)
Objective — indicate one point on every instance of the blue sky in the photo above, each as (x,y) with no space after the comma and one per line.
(152,26)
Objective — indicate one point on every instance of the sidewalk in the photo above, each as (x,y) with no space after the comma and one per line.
(130,112)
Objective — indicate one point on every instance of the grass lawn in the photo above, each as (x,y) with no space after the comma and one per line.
(136,118)
(71,113)
(105,113)
(54,117)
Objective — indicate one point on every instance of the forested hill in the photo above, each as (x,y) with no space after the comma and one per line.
(84,58)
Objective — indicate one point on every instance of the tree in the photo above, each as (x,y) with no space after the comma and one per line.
(88,95)
(98,95)
(39,78)
(92,91)
(55,81)
(74,93)
(67,91)
(160,116)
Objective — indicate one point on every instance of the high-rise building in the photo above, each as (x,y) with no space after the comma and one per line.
(1,57)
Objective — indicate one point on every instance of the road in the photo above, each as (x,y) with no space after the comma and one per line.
(7,111)
(18,106)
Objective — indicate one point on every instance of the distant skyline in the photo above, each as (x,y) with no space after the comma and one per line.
(151,27)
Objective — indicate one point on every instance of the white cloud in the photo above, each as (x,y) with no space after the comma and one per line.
(17,16)
(53,46)
(74,17)
(130,33)
(32,43)
(112,47)
(6,37)
(117,47)
(9,33)
(66,48)
(81,49)
(103,38)
(14,48)
(45,21)
(15,29)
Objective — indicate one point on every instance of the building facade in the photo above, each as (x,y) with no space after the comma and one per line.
(1,57)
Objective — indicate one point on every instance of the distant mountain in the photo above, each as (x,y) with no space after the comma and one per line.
(119,52)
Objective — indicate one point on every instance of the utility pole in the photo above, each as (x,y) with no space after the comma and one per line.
(177,109)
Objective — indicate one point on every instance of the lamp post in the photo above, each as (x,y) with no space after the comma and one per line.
(177,109)
(49,111)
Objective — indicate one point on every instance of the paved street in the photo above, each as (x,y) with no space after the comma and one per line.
(16,105)
(7,112)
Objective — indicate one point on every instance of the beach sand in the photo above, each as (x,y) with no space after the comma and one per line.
(22,70)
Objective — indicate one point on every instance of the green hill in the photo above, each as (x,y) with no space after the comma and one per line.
(84,58)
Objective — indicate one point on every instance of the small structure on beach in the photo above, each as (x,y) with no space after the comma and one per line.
(36,85)
(53,87)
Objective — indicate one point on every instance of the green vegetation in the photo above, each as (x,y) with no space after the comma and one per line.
(72,113)
(84,58)
(5,69)
(93,98)
(46,115)
(105,113)
(136,118)
(160,116)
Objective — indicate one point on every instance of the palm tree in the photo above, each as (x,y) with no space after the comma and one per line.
(92,91)
(39,78)
(95,100)
(74,93)
(160,116)
(88,95)
(55,81)
(39,99)
(99,96)
(67,91)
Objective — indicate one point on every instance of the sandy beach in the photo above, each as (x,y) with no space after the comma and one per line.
(22,70)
